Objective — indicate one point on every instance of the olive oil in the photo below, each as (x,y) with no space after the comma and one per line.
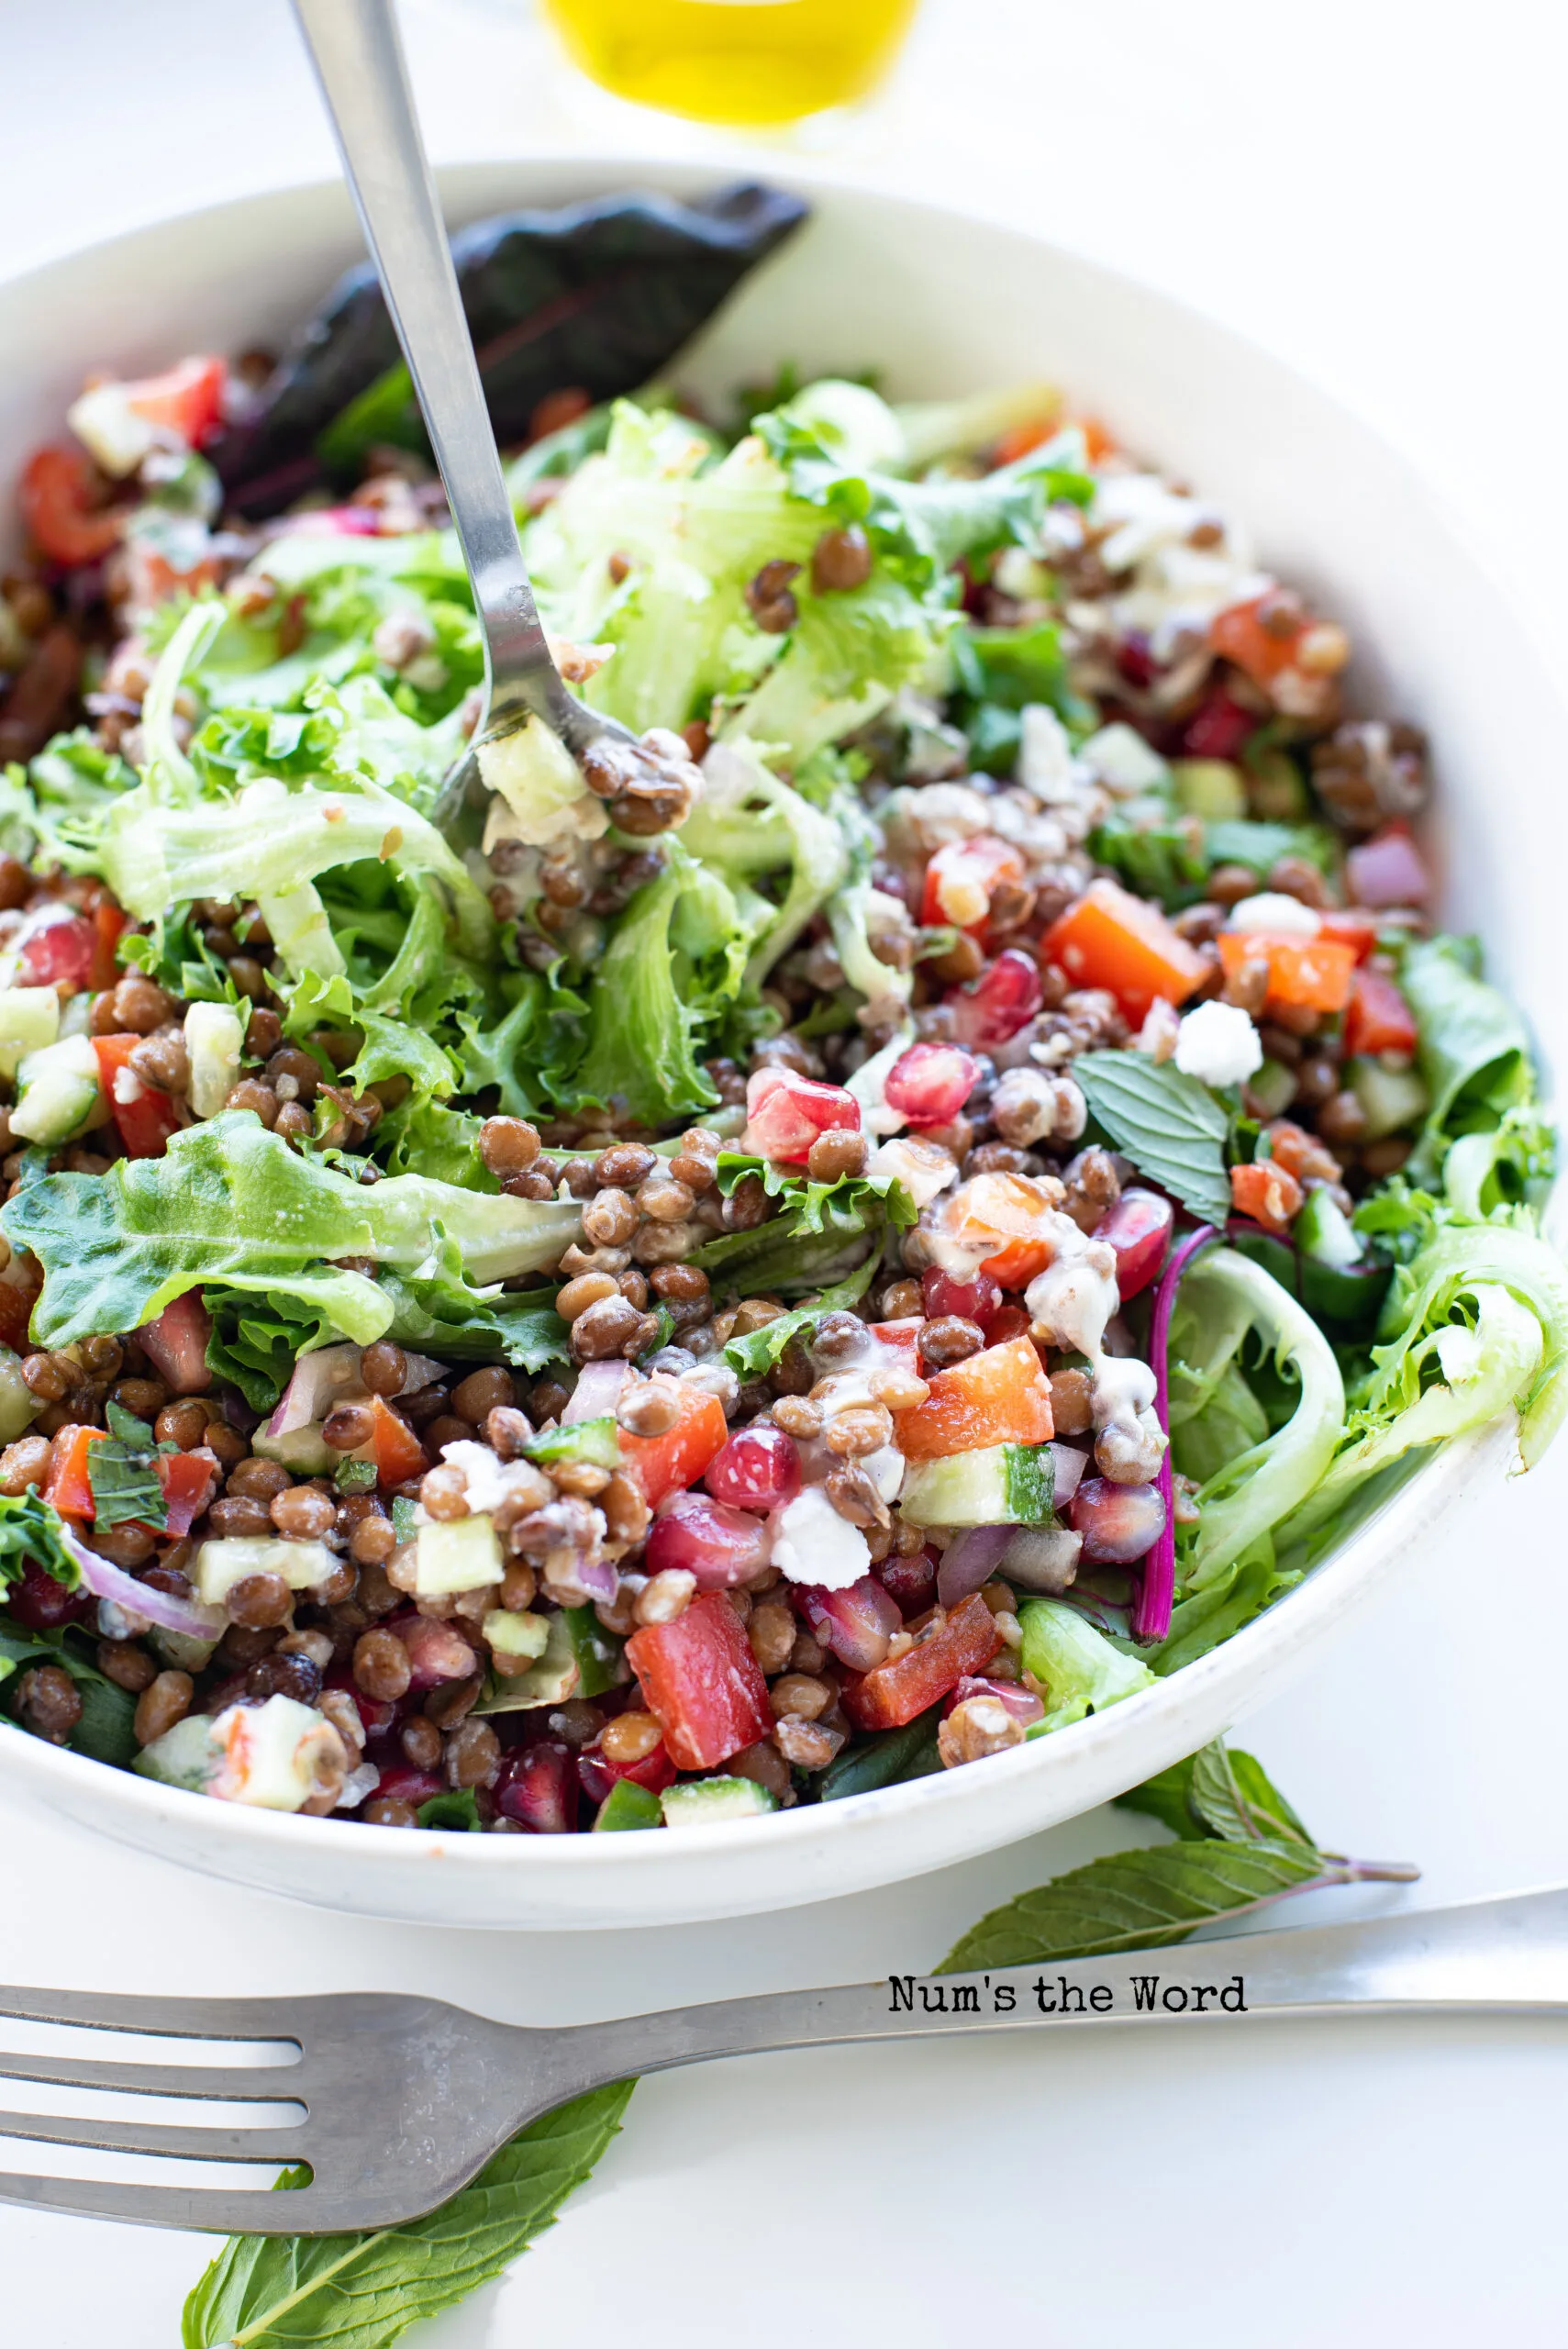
(755,62)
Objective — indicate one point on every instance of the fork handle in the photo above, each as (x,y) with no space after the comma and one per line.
(358,63)
(1490,1956)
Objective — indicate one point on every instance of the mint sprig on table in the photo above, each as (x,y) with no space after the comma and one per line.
(1241,1846)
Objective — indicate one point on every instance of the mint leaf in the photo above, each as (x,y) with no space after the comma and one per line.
(1171,1126)
(124,1489)
(362,2292)
(1169,1798)
(754,1355)
(1218,1792)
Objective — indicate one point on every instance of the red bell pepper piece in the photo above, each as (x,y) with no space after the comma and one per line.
(702,1683)
(893,1693)
(145,1116)
(1305,974)
(399,1455)
(68,1487)
(1377,1017)
(669,1463)
(56,495)
(1269,1193)
(1108,938)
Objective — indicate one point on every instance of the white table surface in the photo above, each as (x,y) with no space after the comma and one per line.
(1377,192)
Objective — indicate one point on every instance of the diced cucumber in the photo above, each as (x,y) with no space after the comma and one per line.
(29,1018)
(627,1805)
(596,1441)
(187,1755)
(1390,1097)
(1211,788)
(1270,1090)
(303,1450)
(713,1802)
(550,1681)
(1322,1232)
(1004,1484)
(456,1554)
(521,1635)
(215,1039)
(59,1092)
(221,1565)
(19,1405)
(600,1655)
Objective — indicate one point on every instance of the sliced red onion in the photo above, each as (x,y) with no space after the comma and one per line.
(596,1578)
(159,1606)
(1388,871)
(972,1560)
(597,1393)
(1068,1467)
(176,1343)
(856,1625)
(1151,1616)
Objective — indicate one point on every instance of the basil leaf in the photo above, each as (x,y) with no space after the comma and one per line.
(754,1355)
(1171,1126)
(360,2291)
(124,1489)
(1140,1900)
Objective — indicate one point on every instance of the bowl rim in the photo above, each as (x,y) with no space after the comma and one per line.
(1252,1657)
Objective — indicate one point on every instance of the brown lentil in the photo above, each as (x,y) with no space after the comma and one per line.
(836,1155)
(25,1463)
(381,1666)
(609,1327)
(473,1754)
(444,1492)
(258,1602)
(950,1338)
(421,1743)
(163,1702)
(305,1515)
(348,1427)
(384,1367)
(482,1392)
(259,1480)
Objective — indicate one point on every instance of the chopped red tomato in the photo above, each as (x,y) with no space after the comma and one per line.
(893,1693)
(399,1455)
(189,1480)
(56,495)
(1377,1017)
(1267,1192)
(998,1395)
(1109,938)
(702,1683)
(963,876)
(1305,974)
(68,1487)
(186,402)
(669,1463)
(62,954)
(176,1343)
(1013,1213)
(1354,927)
(109,928)
(1023,440)
(1261,650)
(144,1117)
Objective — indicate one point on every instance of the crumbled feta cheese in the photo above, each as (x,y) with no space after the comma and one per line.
(106,422)
(1271,914)
(1118,757)
(1045,755)
(1218,1045)
(812,1543)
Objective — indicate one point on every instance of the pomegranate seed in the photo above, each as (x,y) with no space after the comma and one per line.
(1139,1229)
(856,1625)
(42,1603)
(597,1774)
(1119,1523)
(1004,998)
(1220,729)
(759,1468)
(1008,1322)
(1023,1705)
(910,1582)
(437,1651)
(721,1546)
(975,1301)
(537,1788)
(931,1082)
(786,1113)
(404,1783)
(1135,661)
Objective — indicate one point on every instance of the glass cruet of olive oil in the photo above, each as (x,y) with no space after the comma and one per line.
(737,62)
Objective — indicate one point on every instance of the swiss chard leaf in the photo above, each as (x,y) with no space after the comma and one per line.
(1169,1125)
(362,2292)
(599,295)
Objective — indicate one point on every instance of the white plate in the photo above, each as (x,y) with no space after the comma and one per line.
(939,303)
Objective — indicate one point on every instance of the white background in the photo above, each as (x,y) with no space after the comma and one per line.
(1377,189)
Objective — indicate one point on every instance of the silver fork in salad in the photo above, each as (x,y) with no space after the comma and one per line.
(394,2103)
(359,62)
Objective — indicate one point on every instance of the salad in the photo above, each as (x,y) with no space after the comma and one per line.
(536,1307)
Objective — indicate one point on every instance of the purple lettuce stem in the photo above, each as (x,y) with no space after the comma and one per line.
(1157,1588)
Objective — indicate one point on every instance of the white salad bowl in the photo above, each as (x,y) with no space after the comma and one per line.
(939,303)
